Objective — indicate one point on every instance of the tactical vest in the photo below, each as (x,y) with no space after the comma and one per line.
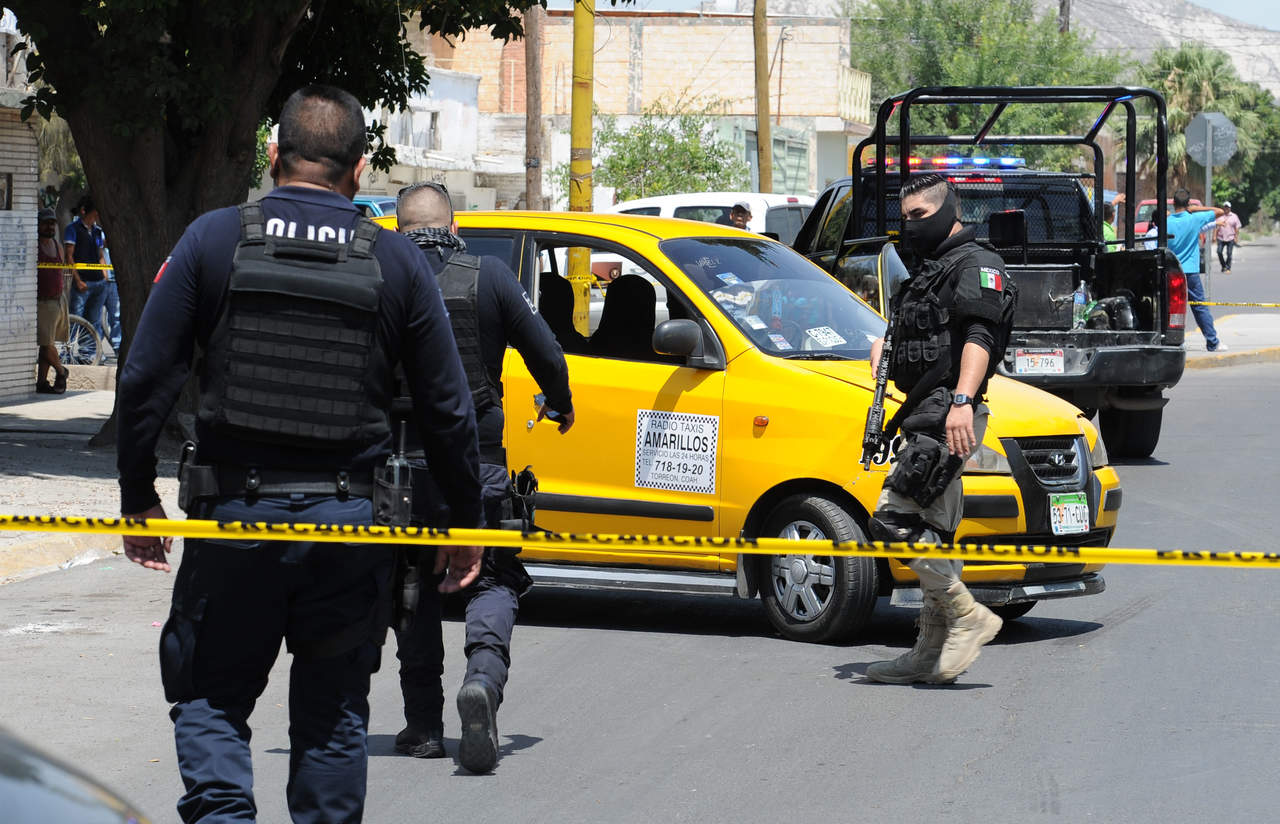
(294,354)
(925,321)
(921,327)
(459,282)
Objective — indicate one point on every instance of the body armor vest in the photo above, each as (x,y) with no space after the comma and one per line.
(459,281)
(295,354)
(922,314)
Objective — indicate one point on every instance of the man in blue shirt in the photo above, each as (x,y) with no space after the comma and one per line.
(301,309)
(1185,225)
(84,241)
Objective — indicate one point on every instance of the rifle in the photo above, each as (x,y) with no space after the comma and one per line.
(393,506)
(873,442)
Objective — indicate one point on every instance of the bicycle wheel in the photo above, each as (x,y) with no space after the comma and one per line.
(82,347)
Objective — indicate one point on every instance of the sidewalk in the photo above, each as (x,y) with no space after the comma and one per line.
(1250,338)
(50,470)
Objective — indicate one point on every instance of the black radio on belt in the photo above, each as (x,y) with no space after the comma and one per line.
(393,488)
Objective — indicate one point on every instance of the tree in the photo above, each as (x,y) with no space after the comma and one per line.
(978,43)
(165,97)
(1193,79)
(664,152)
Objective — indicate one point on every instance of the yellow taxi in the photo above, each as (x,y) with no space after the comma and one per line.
(721,390)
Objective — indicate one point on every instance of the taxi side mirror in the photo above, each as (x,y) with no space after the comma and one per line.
(681,337)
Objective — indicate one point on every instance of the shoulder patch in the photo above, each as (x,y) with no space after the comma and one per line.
(990,278)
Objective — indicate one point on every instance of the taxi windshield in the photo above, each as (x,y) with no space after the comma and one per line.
(787,306)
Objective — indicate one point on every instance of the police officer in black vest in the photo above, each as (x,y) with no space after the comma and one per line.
(488,310)
(301,310)
(949,324)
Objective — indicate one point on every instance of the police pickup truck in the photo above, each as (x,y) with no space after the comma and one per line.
(1100,325)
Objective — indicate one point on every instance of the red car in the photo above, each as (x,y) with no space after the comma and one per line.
(1142,217)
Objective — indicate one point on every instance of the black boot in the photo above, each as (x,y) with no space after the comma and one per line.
(421,743)
(478,709)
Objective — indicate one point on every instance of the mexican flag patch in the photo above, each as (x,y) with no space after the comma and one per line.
(990,278)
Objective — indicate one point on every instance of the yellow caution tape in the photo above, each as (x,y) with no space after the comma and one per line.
(1230,303)
(626,544)
(74,266)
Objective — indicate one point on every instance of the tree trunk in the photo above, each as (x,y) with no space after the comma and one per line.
(148,185)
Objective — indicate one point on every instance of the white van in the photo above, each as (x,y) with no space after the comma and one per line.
(782,215)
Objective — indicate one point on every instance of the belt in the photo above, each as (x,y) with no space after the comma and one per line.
(239,481)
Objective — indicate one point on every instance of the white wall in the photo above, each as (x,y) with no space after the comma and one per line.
(18,157)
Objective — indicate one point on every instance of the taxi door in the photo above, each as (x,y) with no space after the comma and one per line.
(644,455)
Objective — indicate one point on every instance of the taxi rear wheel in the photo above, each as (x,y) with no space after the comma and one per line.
(816,598)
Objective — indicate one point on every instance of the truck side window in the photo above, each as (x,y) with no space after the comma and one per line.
(832,233)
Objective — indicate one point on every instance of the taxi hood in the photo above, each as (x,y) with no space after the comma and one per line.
(1017,409)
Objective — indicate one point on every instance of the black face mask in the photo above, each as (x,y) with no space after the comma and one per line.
(923,237)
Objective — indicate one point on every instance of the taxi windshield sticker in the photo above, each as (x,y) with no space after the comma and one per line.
(754,322)
(990,278)
(826,336)
(729,279)
(779,341)
(676,451)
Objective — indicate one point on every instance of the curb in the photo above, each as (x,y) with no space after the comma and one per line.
(1267,355)
(52,553)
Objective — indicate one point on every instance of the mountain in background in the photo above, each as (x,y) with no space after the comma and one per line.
(1137,27)
(1142,26)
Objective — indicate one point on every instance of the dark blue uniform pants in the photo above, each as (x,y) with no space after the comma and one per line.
(233,603)
(490,614)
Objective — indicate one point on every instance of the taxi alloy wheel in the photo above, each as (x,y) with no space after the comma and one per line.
(816,597)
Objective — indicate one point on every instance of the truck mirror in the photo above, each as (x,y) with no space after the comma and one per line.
(892,271)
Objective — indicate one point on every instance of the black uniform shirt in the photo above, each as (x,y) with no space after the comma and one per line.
(507,316)
(977,275)
(413,327)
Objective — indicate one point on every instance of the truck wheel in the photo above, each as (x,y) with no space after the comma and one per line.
(1130,433)
(1012,612)
(816,598)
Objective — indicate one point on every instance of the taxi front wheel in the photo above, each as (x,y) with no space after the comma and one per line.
(816,598)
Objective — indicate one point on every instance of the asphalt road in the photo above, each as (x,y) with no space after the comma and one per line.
(1148,703)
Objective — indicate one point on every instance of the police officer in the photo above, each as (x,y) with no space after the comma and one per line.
(488,310)
(301,309)
(949,325)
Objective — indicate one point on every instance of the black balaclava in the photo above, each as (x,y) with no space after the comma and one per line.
(923,237)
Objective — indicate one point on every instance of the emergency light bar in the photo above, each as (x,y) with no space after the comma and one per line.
(957,162)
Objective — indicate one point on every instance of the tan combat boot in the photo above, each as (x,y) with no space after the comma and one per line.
(969,626)
(918,664)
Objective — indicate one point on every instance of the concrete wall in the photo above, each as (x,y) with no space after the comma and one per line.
(18,170)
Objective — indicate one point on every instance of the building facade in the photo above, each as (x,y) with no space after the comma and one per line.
(19,169)
(676,62)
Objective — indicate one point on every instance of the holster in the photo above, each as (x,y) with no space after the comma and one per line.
(925,468)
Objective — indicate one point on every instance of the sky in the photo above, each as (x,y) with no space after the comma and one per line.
(1250,11)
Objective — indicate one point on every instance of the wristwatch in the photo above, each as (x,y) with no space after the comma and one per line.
(960,399)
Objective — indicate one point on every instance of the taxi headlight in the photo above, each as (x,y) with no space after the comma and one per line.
(1098,455)
(987,461)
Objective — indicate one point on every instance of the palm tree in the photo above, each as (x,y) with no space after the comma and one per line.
(1194,78)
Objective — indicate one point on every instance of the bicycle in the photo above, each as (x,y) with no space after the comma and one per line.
(83,346)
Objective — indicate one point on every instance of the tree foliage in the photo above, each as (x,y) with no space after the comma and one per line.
(165,97)
(664,152)
(978,43)
(1194,79)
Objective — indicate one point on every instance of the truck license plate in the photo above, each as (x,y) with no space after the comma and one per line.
(1069,513)
(1039,362)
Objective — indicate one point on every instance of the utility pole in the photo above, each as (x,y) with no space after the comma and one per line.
(1064,16)
(580,185)
(764,134)
(533,108)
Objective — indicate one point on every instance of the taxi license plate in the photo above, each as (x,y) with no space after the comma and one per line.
(1039,362)
(1069,513)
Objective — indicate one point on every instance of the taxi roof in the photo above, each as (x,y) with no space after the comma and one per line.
(660,228)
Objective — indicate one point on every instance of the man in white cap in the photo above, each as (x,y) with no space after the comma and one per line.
(1228,231)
